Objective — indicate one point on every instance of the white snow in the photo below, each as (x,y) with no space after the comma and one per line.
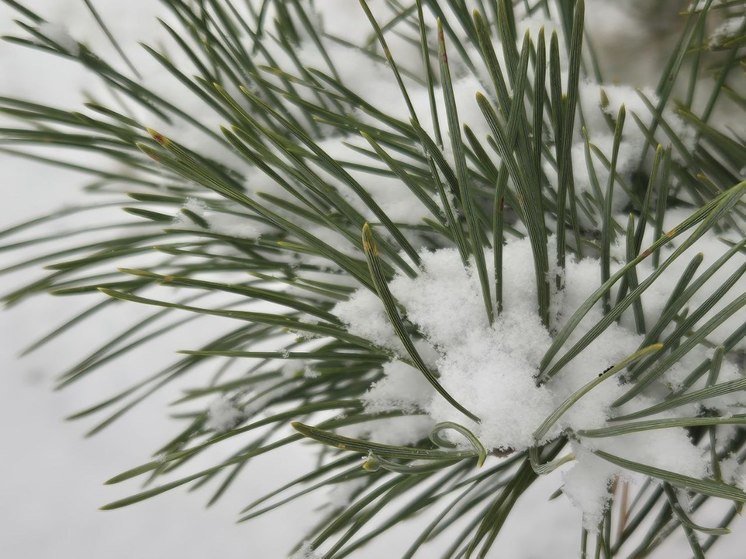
(491,369)
(223,414)
(402,388)
(726,31)
(398,431)
(223,223)
(587,486)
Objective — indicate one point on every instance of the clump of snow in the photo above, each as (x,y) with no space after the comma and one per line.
(402,388)
(587,483)
(587,486)
(365,316)
(399,431)
(667,449)
(223,414)
(492,369)
(712,245)
(727,30)
(733,471)
(601,104)
(486,368)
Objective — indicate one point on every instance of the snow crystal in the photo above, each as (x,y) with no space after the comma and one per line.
(365,316)
(402,388)
(311,372)
(233,225)
(223,414)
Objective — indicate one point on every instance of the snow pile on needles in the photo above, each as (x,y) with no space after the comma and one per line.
(492,369)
